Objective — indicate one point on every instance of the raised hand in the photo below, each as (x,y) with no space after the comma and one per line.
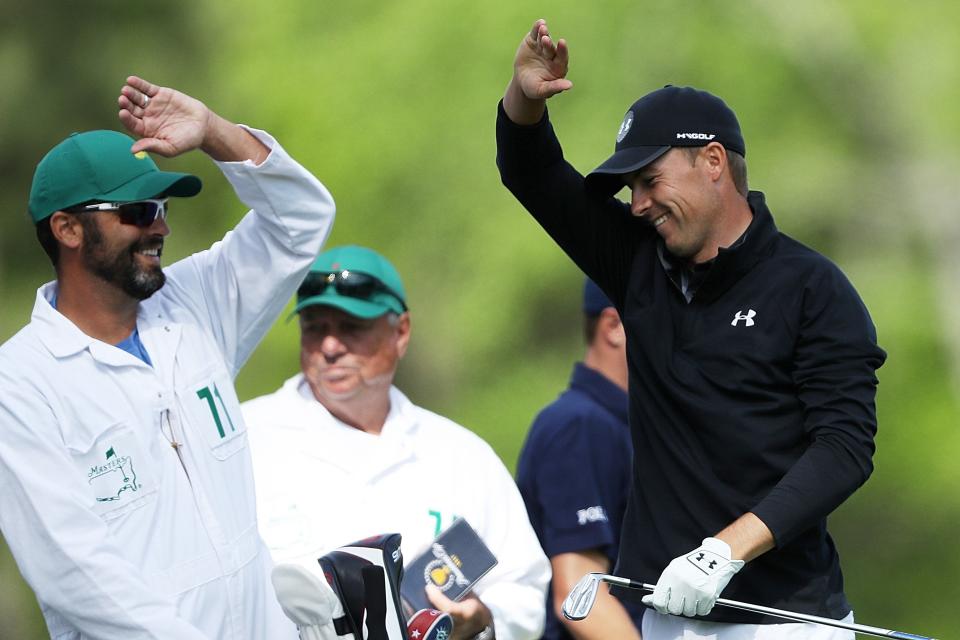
(166,121)
(170,123)
(539,72)
(541,64)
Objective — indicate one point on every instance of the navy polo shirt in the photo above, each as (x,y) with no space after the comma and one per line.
(574,474)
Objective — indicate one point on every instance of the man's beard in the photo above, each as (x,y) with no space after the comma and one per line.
(122,269)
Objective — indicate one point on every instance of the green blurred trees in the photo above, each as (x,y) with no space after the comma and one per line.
(849,112)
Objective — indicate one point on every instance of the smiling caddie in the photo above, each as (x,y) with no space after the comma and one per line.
(126,489)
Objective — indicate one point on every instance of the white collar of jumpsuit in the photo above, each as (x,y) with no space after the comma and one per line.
(329,437)
(63,338)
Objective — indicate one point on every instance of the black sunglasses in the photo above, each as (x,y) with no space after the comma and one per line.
(140,213)
(347,283)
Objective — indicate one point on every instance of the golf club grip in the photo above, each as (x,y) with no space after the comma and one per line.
(798,617)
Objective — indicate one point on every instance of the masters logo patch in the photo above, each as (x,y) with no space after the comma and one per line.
(112,478)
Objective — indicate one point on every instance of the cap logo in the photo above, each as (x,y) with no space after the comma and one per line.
(625,126)
(696,136)
(140,155)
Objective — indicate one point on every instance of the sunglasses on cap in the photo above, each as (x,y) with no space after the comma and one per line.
(351,284)
(140,213)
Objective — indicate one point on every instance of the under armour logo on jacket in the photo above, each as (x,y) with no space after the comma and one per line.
(749,316)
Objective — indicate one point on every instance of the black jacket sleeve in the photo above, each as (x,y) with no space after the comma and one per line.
(835,362)
(595,233)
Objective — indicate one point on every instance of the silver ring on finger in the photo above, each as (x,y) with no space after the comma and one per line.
(146,101)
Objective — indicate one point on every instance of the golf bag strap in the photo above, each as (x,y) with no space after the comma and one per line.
(375,595)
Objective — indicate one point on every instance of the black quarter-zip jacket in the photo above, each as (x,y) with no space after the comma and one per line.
(756,395)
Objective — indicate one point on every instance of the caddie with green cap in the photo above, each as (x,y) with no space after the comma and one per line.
(341,454)
(97,171)
(354,330)
(134,513)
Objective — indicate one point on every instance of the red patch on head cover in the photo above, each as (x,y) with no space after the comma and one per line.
(430,624)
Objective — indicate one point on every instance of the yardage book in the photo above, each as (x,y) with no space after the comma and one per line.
(453,563)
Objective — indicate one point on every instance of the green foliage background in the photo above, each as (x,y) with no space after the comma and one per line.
(850,115)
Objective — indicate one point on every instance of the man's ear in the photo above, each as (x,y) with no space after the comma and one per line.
(66,229)
(611,328)
(715,157)
(403,333)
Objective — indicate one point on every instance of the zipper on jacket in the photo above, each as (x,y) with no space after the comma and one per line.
(172,439)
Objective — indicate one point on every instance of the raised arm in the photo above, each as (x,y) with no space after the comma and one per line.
(598,234)
(239,286)
(539,72)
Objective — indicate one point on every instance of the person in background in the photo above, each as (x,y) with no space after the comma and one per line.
(341,454)
(574,475)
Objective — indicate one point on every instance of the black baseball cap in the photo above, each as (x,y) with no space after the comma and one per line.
(665,118)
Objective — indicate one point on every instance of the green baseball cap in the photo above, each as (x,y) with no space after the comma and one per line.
(354,279)
(97,166)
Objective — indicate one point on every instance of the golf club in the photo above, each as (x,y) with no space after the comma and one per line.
(578,604)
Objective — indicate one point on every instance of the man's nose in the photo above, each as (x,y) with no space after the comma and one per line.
(639,201)
(159,227)
(331,347)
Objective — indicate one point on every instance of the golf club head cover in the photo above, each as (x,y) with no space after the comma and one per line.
(365,576)
(429,624)
(308,600)
(691,584)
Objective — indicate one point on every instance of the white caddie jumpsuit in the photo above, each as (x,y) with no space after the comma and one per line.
(322,484)
(120,534)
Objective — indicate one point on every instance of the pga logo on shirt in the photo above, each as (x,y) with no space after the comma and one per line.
(591,514)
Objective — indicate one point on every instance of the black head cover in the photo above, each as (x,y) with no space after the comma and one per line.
(366,577)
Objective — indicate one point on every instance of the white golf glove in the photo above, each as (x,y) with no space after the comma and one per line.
(308,601)
(691,584)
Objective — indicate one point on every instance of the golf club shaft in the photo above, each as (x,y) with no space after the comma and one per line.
(780,613)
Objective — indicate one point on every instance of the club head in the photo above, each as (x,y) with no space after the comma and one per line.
(578,604)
